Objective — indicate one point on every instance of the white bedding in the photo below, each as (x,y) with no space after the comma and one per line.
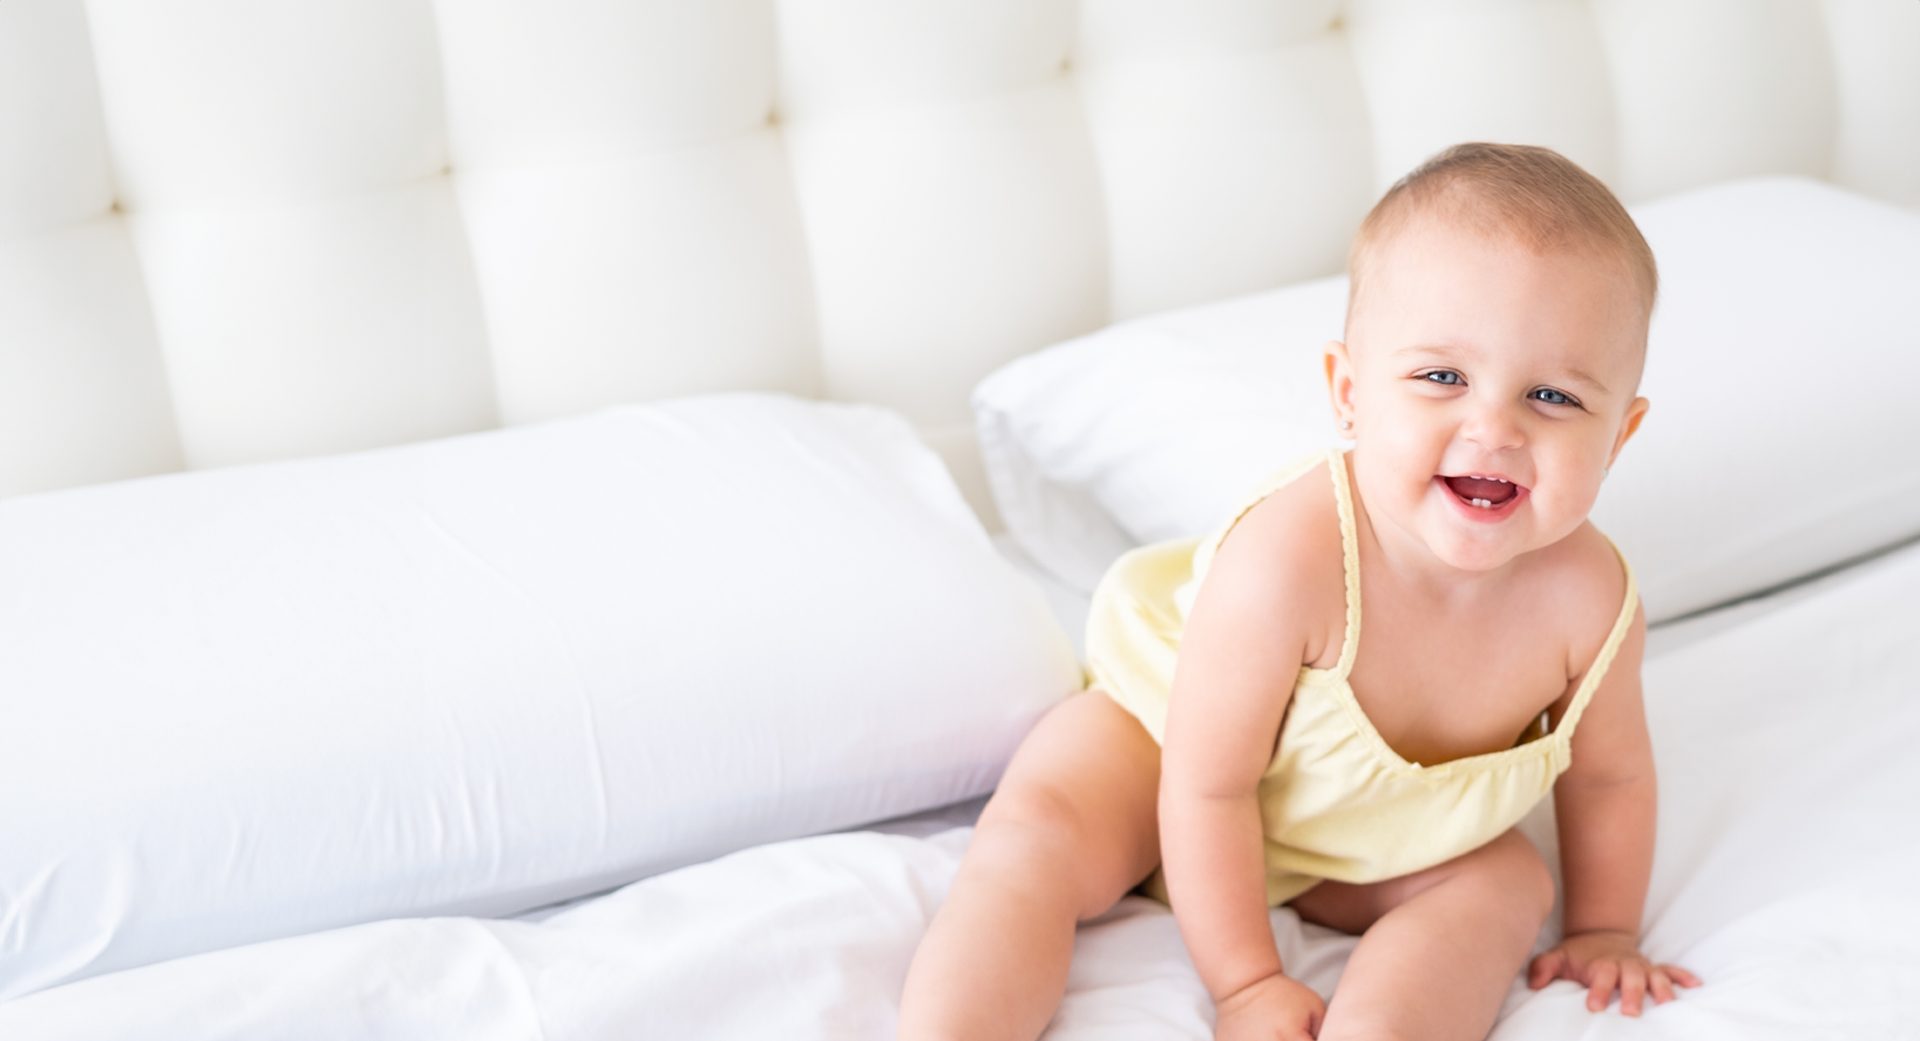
(474,675)
(1784,877)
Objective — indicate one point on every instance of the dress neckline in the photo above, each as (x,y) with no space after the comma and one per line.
(1337,676)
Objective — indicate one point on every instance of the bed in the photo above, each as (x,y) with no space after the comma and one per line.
(548,523)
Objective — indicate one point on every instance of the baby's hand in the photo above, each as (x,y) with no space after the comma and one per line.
(1602,959)
(1273,1008)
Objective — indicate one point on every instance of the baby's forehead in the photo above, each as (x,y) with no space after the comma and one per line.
(1592,357)
(1448,284)
(1443,235)
(1446,262)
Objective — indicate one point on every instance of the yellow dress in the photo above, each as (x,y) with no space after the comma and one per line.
(1336,802)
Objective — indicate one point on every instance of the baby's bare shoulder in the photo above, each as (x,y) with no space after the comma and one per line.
(1297,524)
(1283,558)
(1589,587)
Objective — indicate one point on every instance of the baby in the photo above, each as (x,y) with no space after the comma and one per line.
(1347,706)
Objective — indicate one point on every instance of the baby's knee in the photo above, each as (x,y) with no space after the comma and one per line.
(1051,840)
(1031,830)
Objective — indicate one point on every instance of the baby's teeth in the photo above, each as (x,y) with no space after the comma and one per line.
(1482,503)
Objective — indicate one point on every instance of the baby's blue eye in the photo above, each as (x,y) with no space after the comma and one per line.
(1450,378)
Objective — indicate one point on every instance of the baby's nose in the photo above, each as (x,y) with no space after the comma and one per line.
(1493,427)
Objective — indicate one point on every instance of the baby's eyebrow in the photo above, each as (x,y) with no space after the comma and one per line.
(1446,349)
(1580,376)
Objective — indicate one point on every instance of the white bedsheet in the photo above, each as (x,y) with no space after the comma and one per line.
(1787,856)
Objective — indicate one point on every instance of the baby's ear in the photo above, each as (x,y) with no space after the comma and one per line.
(1333,356)
(1339,367)
(1636,411)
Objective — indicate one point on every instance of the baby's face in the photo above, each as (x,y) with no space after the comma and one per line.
(1470,356)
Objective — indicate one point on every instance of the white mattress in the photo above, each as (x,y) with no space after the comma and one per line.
(1784,733)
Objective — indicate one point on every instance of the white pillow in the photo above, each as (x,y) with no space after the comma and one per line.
(1152,428)
(1779,440)
(481,674)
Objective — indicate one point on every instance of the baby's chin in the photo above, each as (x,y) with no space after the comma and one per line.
(1481,551)
(1476,557)
(1471,545)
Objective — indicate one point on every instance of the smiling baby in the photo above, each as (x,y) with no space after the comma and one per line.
(1345,698)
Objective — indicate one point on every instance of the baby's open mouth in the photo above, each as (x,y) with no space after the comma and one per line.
(1487,493)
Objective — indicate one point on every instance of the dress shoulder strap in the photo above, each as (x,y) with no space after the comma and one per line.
(1350,558)
(1598,670)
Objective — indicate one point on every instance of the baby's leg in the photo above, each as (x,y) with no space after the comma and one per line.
(1441,947)
(1070,829)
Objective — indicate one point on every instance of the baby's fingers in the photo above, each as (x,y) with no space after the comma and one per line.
(1546,968)
(1600,985)
(1633,986)
(1680,975)
(1660,981)
(1661,985)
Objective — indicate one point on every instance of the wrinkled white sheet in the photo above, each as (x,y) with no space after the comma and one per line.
(1788,854)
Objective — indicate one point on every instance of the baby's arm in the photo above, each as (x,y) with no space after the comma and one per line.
(1240,653)
(1606,804)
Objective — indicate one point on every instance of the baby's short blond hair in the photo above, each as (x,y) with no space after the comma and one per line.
(1523,193)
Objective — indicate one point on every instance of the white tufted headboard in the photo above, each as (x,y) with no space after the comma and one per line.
(238,230)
